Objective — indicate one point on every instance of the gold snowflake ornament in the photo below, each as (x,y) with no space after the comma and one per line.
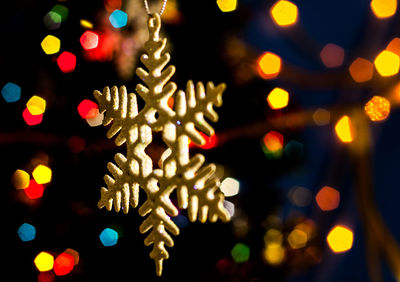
(196,186)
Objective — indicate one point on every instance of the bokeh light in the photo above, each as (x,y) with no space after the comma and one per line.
(300,196)
(108,237)
(51,44)
(294,150)
(210,142)
(63,264)
(11,92)
(20,179)
(284,13)
(269,65)
(361,70)
(274,254)
(66,62)
(74,254)
(26,232)
(227,5)
(36,105)
(42,174)
(96,121)
(384,8)
(230,207)
(61,10)
(44,261)
(297,239)
(88,109)
(118,18)
(332,55)
(230,187)
(394,46)
(378,108)
(272,144)
(34,190)
(89,40)
(31,119)
(240,253)
(278,98)
(328,198)
(321,117)
(52,20)
(112,5)
(344,129)
(340,239)
(47,276)
(387,63)
(86,24)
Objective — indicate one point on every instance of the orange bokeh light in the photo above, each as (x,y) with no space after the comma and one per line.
(328,198)
(284,13)
(269,65)
(394,46)
(384,8)
(361,70)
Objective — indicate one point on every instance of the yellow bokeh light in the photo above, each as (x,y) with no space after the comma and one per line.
(20,179)
(343,129)
(269,65)
(340,239)
(297,239)
(42,174)
(86,24)
(44,262)
(274,254)
(227,5)
(387,63)
(278,98)
(361,70)
(378,108)
(384,8)
(273,236)
(36,105)
(51,44)
(284,13)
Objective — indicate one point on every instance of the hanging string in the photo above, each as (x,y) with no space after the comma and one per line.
(146,6)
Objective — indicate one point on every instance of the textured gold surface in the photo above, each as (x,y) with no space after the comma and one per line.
(196,186)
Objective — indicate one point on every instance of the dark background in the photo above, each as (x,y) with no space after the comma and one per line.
(67,216)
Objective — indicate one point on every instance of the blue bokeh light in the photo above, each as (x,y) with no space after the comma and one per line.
(26,232)
(11,92)
(118,19)
(108,237)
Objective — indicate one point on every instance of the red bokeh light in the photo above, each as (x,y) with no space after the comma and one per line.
(31,119)
(34,190)
(66,62)
(63,264)
(47,276)
(89,40)
(88,109)
(107,44)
